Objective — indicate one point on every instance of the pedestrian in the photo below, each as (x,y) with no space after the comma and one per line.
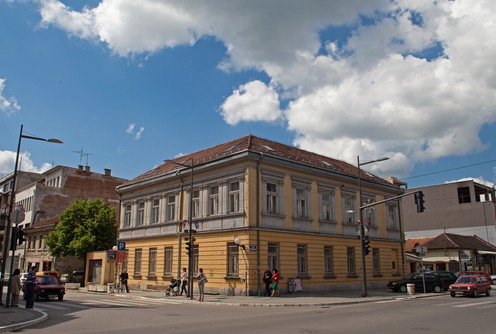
(15,287)
(267,278)
(124,277)
(184,282)
(29,285)
(202,279)
(275,283)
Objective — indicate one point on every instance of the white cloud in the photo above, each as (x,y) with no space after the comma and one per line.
(253,101)
(8,105)
(7,163)
(371,94)
(131,130)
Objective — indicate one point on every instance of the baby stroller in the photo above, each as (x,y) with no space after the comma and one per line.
(173,288)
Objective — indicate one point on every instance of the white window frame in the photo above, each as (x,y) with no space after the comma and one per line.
(140,213)
(392,216)
(328,261)
(127,215)
(232,260)
(349,209)
(155,211)
(214,200)
(234,204)
(171,211)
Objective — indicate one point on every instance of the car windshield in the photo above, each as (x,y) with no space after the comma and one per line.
(46,280)
(465,279)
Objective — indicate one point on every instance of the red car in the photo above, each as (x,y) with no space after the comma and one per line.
(48,286)
(470,286)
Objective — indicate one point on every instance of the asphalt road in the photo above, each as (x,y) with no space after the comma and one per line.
(87,313)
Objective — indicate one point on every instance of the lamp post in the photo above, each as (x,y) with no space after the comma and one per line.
(6,242)
(362,227)
(190,218)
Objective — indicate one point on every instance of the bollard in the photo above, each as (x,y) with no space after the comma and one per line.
(411,289)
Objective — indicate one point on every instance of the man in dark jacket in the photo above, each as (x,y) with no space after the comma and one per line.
(267,278)
(124,277)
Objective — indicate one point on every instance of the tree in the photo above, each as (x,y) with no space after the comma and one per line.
(83,227)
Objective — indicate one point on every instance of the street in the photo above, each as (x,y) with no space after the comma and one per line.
(93,313)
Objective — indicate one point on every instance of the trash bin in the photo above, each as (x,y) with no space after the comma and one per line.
(410,288)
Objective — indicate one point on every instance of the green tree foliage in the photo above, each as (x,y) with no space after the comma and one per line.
(83,227)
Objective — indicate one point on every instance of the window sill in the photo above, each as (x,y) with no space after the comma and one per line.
(396,275)
(330,276)
(352,276)
(303,277)
(153,277)
(137,276)
(377,275)
(232,278)
(167,276)
(277,215)
(308,219)
(322,221)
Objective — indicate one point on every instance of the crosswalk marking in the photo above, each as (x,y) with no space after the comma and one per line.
(474,304)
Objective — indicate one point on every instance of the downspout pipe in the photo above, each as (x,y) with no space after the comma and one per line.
(259,213)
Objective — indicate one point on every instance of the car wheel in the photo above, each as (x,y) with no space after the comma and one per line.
(436,289)
(403,288)
(475,294)
(452,294)
(488,292)
(61,297)
(494,281)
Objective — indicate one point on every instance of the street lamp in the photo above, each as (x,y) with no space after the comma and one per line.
(362,227)
(11,208)
(190,231)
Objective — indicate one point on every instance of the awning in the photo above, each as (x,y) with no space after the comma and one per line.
(487,252)
(412,257)
(439,259)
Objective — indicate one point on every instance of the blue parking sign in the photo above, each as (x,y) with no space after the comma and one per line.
(121,245)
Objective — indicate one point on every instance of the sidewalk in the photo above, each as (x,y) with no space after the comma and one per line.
(14,318)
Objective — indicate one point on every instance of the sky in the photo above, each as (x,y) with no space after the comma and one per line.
(132,83)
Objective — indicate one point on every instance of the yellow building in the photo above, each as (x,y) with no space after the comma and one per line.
(256,204)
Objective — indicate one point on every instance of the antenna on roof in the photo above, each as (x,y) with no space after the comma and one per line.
(83,154)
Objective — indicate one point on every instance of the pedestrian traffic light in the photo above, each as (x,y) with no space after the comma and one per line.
(21,236)
(366,245)
(189,245)
(419,201)
(13,239)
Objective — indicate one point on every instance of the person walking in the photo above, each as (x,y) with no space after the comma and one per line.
(202,279)
(29,285)
(184,282)
(124,277)
(275,283)
(15,287)
(267,279)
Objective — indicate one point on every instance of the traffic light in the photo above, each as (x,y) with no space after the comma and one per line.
(366,245)
(419,200)
(189,245)
(13,239)
(21,236)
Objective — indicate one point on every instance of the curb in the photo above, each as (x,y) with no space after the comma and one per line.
(24,324)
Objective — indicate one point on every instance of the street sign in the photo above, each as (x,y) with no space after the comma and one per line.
(253,248)
(121,245)
(111,254)
(121,256)
(421,250)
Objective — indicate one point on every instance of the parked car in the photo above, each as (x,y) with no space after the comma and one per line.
(475,273)
(49,272)
(24,276)
(470,286)
(77,277)
(48,286)
(64,278)
(447,277)
(432,283)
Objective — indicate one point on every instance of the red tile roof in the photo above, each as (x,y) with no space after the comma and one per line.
(456,241)
(411,244)
(261,146)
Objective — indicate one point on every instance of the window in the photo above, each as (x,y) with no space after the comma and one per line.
(464,195)
(376,263)
(171,208)
(301,203)
(326,207)
(127,216)
(328,261)
(168,261)
(137,262)
(234,197)
(271,198)
(213,199)
(152,262)
(273,253)
(349,209)
(350,255)
(155,211)
(196,203)
(140,214)
(195,258)
(233,260)
(302,260)
(392,220)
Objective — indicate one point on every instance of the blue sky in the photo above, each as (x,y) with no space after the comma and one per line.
(134,83)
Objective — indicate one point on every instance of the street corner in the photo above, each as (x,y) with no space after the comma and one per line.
(15,318)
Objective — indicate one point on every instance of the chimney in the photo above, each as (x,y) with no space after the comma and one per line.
(80,167)
(87,169)
(107,172)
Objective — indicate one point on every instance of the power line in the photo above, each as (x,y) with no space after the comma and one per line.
(448,170)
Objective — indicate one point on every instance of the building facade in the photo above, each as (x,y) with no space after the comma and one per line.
(256,204)
(45,199)
(463,207)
